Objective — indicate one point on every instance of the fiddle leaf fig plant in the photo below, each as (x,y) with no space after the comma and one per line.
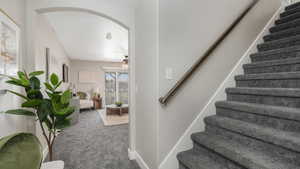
(51,109)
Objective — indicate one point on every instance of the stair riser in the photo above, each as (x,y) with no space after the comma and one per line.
(292,6)
(268,121)
(278,36)
(287,19)
(227,163)
(286,83)
(267,83)
(227,154)
(284,55)
(284,154)
(281,27)
(278,45)
(268,100)
(181,166)
(289,12)
(273,69)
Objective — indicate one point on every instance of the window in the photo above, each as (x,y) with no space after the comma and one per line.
(116,87)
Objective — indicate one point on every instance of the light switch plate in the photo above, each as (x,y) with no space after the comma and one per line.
(169,73)
(3,92)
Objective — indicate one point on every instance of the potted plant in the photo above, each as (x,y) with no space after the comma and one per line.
(51,111)
(118,104)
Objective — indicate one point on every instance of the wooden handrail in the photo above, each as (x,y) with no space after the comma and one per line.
(164,100)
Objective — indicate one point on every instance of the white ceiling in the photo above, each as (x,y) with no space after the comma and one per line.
(83,36)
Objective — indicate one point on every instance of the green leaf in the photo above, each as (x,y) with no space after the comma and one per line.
(18,94)
(62,123)
(22,75)
(20,112)
(17,82)
(36,73)
(65,112)
(48,123)
(45,109)
(56,86)
(32,103)
(23,78)
(57,106)
(35,83)
(49,94)
(54,79)
(34,94)
(48,86)
(66,96)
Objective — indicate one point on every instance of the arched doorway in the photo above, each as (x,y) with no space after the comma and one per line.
(41,11)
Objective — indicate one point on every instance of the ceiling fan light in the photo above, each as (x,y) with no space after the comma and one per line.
(125,60)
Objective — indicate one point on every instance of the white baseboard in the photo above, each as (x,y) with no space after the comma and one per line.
(140,161)
(133,155)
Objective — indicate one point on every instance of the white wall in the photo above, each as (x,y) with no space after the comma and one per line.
(47,38)
(8,123)
(146,81)
(90,66)
(198,125)
(186,31)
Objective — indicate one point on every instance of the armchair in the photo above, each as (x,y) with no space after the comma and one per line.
(26,147)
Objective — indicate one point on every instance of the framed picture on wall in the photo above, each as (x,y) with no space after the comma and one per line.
(65,73)
(47,60)
(9,45)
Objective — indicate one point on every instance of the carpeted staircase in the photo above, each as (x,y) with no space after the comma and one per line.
(258,126)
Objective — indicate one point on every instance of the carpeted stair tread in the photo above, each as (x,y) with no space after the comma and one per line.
(258,125)
(284,92)
(287,18)
(293,6)
(273,66)
(289,97)
(261,109)
(284,26)
(269,80)
(276,54)
(272,63)
(286,139)
(282,34)
(290,12)
(241,154)
(281,43)
(193,159)
(269,76)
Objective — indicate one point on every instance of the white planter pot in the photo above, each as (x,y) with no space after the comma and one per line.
(53,165)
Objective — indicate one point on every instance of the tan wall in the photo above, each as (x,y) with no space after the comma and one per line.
(90,66)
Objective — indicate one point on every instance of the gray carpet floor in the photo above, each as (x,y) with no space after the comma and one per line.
(91,145)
